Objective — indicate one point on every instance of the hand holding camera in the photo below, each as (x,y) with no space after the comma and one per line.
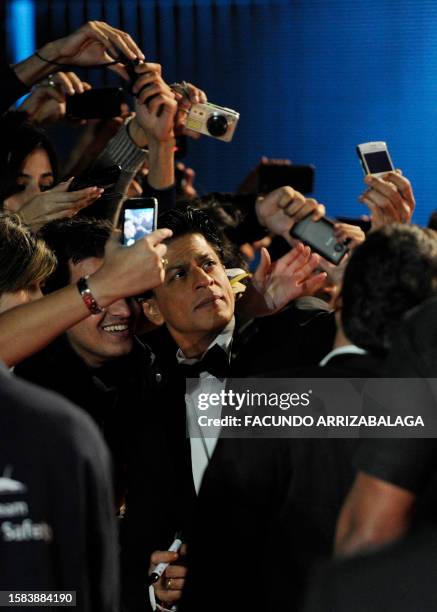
(202,117)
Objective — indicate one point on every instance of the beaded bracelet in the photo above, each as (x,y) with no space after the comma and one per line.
(88,298)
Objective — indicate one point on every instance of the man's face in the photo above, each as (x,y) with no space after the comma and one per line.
(106,336)
(196,300)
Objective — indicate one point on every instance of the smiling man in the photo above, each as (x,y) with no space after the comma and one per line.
(98,363)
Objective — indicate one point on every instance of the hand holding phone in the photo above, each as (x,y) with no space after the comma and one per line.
(139,219)
(321,237)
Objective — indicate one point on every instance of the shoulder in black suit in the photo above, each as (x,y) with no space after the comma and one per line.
(269,508)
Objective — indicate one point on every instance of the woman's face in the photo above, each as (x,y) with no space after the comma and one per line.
(36,171)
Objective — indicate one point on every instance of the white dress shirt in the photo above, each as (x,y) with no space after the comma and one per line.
(348,349)
(202,448)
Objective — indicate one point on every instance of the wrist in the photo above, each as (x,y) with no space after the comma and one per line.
(32,70)
(101,289)
(161,146)
(136,133)
(50,53)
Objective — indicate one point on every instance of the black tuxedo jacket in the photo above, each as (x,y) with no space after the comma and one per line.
(161,496)
(267,512)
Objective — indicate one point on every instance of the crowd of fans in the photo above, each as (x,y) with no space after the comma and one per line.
(97,341)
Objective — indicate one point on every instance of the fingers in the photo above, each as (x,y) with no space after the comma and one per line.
(145,67)
(73,196)
(68,202)
(163,556)
(158,236)
(299,254)
(167,596)
(287,196)
(162,104)
(264,265)
(69,83)
(114,40)
(176,572)
(161,250)
(299,209)
(47,91)
(393,192)
(301,275)
(195,95)
(63,185)
(352,233)
(319,211)
(314,283)
(149,78)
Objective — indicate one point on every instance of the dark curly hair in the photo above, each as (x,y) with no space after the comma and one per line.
(73,240)
(187,219)
(20,139)
(394,270)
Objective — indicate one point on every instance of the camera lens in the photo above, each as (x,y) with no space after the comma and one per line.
(217,125)
(339,247)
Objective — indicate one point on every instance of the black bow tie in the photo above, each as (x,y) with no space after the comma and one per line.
(216,362)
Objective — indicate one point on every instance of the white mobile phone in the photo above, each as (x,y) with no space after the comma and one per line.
(375,158)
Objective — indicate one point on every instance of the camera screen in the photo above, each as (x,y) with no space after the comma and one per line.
(378,162)
(137,223)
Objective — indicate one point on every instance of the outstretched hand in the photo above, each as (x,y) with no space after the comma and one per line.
(275,285)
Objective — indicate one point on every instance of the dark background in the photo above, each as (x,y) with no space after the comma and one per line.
(311,79)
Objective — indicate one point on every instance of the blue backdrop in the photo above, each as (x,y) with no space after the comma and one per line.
(311,79)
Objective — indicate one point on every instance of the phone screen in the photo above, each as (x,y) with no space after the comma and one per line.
(138,222)
(378,162)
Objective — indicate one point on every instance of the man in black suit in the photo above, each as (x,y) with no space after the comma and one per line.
(196,302)
(270,507)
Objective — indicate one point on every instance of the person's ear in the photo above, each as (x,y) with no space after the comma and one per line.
(152,312)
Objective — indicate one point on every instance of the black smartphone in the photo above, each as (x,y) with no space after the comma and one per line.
(104,177)
(96,103)
(140,217)
(272,176)
(319,235)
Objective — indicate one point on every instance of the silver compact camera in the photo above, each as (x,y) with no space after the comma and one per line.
(213,120)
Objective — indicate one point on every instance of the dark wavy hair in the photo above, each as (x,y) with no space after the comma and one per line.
(19,139)
(73,240)
(394,270)
(188,219)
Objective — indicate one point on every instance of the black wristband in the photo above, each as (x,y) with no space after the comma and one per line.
(73,66)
